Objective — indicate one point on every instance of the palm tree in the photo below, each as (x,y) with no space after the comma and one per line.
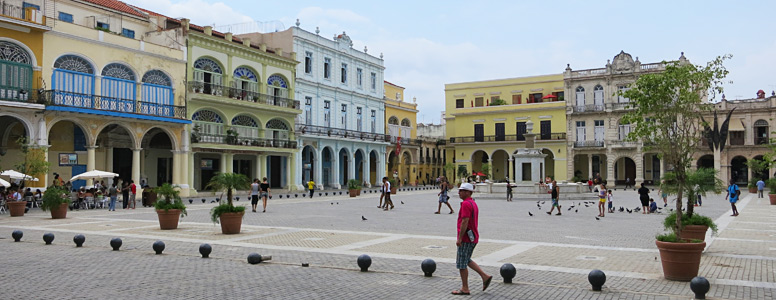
(700,181)
(229,182)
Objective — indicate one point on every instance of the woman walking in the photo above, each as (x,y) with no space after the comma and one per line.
(265,192)
(644,198)
(445,186)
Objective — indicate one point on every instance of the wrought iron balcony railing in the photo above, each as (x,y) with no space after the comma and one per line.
(243,141)
(505,138)
(587,108)
(338,132)
(588,144)
(95,102)
(241,94)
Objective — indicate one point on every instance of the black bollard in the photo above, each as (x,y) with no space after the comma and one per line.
(115,243)
(48,238)
(319,194)
(17,235)
(327,193)
(597,278)
(254,258)
(364,261)
(237,198)
(296,195)
(508,272)
(191,201)
(158,246)
(281,196)
(205,250)
(700,286)
(203,200)
(428,266)
(79,240)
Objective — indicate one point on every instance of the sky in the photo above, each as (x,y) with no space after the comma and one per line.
(427,44)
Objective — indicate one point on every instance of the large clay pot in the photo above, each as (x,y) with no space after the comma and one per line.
(352,193)
(17,208)
(753,190)
(168,219)
(231,222)
(59,212)
(358,192)
(680,260)
(694,232)
(393,190)
(772,197)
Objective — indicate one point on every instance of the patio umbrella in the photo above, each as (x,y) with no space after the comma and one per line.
(18,175)
(478,173)
(94,174)
(549,96)
(4,183)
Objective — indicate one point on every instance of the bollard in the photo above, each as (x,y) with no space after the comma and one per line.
(203,200)
(597,278)
(115,243)
(205,250)
(254,258)
(17,235)
(237,198)
(48,238)
(281,196)
(79,240)
(364,261)
(700,286)
(508,272)
(428,266)
(191,201)
(158,247)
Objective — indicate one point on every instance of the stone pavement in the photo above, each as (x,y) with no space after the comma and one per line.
(553,254)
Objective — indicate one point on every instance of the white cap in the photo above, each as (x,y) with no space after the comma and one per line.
(466,187)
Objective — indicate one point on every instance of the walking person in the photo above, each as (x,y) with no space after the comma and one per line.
(468,236)
(760,187)
(627,182)
(254,194)
(663,194)
(509,191)
(132,193)
(113,192)
(387,193)
(311,187)
(125,195)
(443,197)
(611,202)
(644,198)
(265,193)
(590,184)
(732,194)
(601,200)
(555,192)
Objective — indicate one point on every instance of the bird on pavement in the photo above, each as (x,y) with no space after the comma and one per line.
(530,214)
(362,218)
(337,203)
(542,202)
(629,211)
(570,208)
(332,203)
(402,202)
(598,219)
(576,210)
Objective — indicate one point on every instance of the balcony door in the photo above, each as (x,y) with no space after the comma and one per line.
(521,130)
(500,132)
(599,130)
(479,132)
(545,130)
(580,131)
(208,74)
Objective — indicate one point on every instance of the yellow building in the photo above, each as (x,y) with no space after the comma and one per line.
(486,124)
(404,149)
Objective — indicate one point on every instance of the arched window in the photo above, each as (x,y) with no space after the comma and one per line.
(73,81)
(16,74)
(157,93)
(277,86)
(210,126)
(245,126)
(118,88)
(580,96)
(761,132)
(276,129)
(207,77)
(393,120)
(245,80)
(598,97)
(405,122)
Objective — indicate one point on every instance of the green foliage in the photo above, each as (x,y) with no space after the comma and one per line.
(758,167)
(354,185)
(670,222)
(216,212)
(450,168)
(462,172)
(576,179)
(485,169)
(700,181)
(771,183)
(667,109)
(498,101)
(170,199)
(393,183)
(34,163)
(673,238)
(54,197)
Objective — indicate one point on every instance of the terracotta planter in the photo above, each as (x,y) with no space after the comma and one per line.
(168,219)
(772,197)
(352,193)
(393,190)
(753,190)
(59,212)
(17,208)
(680,260)
(694,232)
(231,222)
(358,192)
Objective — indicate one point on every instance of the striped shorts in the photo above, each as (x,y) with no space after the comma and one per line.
(464,255)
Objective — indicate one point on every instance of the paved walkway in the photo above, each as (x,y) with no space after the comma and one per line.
(553,254)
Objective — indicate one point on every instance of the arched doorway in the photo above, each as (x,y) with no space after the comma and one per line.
(344,166)
(479,157)
(117,144)
(308,164)
(624,169)
(374,178)
(706,161)
(739,171)
(359,164)
(327,156)
(651,168)
(67,154)
(156,158)
(549,164)
(393,163)
(500,165)
(406,176)
(13,134)
(581,168)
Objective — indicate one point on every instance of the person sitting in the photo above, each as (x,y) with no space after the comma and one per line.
(652,206)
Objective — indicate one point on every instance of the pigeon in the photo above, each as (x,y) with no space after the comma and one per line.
(537,205)
(337,203)
(362,218)
(570,208)
(332,203)
(402,202)
(576,210)
(629,211)
(542,202)
(530,214)
(598,219)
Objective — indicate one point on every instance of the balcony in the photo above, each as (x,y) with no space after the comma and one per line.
(241,94)
(244,141)
(404,141)
(619,106)
(422,160)
(59,98)
(341,133)
(589,108)
(588,144)
(27,14)
(505,138)
(623,144)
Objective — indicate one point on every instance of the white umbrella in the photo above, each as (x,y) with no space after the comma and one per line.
(93,175)
(4,183)
(18,175)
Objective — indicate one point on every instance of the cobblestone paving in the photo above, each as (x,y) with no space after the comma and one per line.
(553,254)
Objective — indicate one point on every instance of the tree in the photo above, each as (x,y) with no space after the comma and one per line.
(462,172)
(34,163)
(449,168)
(485,169)
(228,182)
(666,108)
(700,181)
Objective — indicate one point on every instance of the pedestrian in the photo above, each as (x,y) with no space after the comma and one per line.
(760,187)
(113,192)
(590,184)
(509,191)
(132,193)
(125,194)
(627,182)
(468,236)
(311,187)
(663,194)
(597,179)
(555,192)
(265,193)
(254,194)
(611,202)
(698,192)
(387,193)
(652,206)
(732,194)
(443,197)
(644,198)
(601,200)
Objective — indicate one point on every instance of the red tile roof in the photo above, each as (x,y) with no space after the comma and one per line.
(116,5)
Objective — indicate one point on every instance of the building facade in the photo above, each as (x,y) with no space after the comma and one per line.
(486,123)
(432,152)
(403,152)
(340,130)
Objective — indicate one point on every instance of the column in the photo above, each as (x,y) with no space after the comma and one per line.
(610,171)
(590,166)
(183,162)
(365,173)
(293,181)
(176,167)
(298,169)
(518,171)
(229,163)
(570,163)
(90,164)
(663,168)
(136,165)
(510,176)
(351,167)
(142,165)
(335,171)
(257,172)
(318,169)
(222,165)
(109,159)
(191,169)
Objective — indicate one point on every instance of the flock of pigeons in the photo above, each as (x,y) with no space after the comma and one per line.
(594,203)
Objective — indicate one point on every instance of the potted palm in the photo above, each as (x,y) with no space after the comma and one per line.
(394,186)
(171,208)
(752,186)
(697,183)
(55,200)
(227,214)
(353,187)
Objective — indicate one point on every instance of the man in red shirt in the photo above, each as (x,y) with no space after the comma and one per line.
(132,193)
(468,236)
